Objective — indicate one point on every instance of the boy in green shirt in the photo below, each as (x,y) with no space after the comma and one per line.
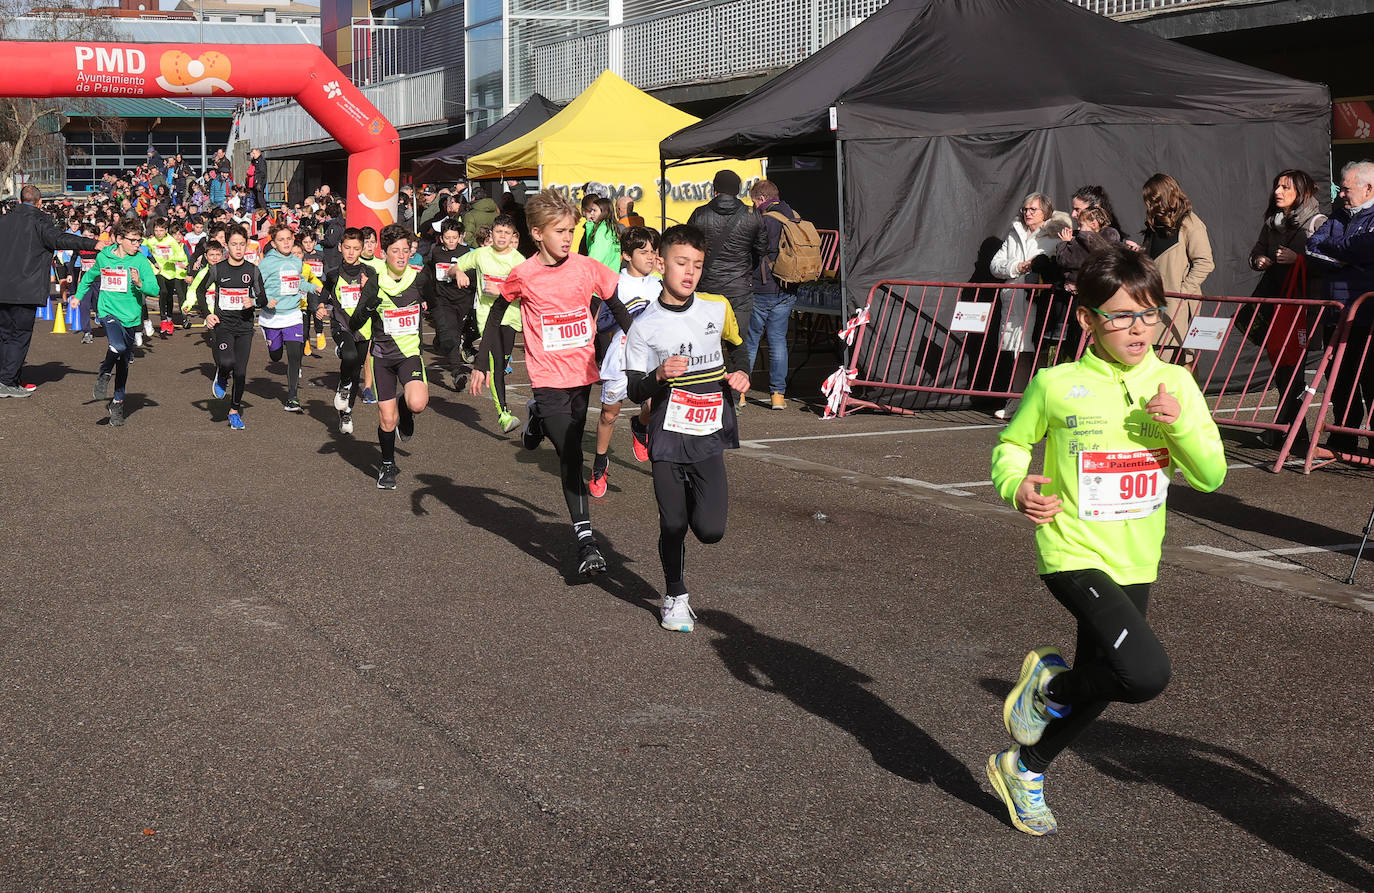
(1118,424)
(169,260)
(493,264)
(125,277)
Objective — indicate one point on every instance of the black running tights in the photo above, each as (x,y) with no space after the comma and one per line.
(689,496)
(1117,657)
(231,356)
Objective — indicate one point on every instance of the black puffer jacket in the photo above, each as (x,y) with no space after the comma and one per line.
(28,239)
(735,242)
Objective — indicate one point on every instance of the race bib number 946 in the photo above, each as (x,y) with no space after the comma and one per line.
(1120,486)
(112,280)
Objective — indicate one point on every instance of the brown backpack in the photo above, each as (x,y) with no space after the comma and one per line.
(799,251)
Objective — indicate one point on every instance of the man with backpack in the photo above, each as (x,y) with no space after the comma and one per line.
(793,256)
(735,241)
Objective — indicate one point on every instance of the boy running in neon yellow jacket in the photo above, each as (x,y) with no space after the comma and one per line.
(1119,423)
(169,262)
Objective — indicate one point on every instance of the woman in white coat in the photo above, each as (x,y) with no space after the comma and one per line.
(1027,239)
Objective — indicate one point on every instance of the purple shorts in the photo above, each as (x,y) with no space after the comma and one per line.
(276,337)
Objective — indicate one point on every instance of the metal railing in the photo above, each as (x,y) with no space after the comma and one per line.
(722,39)
(405,101)
(384,49)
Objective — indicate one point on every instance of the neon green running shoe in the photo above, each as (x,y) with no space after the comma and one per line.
(1025,798)
(1024,713)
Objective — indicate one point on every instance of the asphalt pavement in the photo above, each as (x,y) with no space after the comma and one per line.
(234,664)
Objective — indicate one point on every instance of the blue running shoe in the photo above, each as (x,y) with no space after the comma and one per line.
(368,396)
(236,422)
(217,388)
(1024,797)
(1024,713)
(509,367)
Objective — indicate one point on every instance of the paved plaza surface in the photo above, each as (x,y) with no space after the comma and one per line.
(231,663)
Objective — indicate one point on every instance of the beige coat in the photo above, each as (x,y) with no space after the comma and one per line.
(1183,267)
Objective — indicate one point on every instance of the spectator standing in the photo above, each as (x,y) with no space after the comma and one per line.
(28,239)
(772,299)
(1176,240)
(483,212)
(256,178)
(1291,218)
(1344,246)
(215,188)
(736,241)
(1012,262)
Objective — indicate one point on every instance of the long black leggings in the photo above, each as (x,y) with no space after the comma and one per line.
(689,496)
(563,416)
(170,294)
(352,356)
(231,356)
(497,382)
(1117,658)
(295,352)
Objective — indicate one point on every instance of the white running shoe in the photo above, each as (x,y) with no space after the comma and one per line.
(677,615)
(341,398)
(147,328)
(345,422)
(138,338)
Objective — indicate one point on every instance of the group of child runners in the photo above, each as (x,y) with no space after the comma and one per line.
(1118,422)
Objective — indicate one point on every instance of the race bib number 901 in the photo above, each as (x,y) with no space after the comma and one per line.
(1120,486)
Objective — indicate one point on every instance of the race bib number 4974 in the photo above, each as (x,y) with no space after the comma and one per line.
(1122,485)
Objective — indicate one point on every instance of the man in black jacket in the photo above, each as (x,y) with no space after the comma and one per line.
(735,242)
(28,239)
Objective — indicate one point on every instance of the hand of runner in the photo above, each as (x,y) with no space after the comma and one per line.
(322,312)
(212,320)
(272,304)
(1163,407)
(459,277)
(673,367)
(738,381)
(133,274)
(477,383)
(73,302)
(1030,502)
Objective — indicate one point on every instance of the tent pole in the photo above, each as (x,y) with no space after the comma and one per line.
(662,194)
(844,292)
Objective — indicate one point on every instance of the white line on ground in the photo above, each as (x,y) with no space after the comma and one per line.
(1257,556)
(759,444)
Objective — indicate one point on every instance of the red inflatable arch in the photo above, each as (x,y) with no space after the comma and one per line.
(42,70)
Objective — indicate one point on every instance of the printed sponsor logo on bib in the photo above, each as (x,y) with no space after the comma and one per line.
(316,267)
(349,295)
(567,331)
(491,285)
(401,321)
(1120,486)
(114,280)
(290,283)
(694,414)
(232,298)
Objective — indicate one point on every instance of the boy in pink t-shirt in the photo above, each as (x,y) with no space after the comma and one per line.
(558,293)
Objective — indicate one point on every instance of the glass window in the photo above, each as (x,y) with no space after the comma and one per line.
(484,66)
(482,10)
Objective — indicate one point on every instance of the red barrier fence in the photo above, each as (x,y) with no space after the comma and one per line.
(830,248)
(1257,360)
(1350,396)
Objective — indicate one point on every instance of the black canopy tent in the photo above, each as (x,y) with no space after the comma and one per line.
(451,163)
(943,114)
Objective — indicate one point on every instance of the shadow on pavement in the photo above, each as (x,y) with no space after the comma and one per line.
(539,533)
(1235,787)
(1230,512)
(53,370)
(835,692)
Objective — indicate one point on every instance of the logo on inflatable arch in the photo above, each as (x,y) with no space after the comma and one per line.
(377,191)
(197,77)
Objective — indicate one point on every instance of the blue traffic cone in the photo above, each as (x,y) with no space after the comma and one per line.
(45,311)
(74,321)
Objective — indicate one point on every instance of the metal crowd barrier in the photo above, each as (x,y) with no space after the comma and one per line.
(924,345)
(1349,399)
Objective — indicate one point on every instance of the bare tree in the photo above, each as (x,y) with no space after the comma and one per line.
(30,129)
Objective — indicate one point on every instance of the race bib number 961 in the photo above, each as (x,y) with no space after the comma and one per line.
(1120,486)
(401,321)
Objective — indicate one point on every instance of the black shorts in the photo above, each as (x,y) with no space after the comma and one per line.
(389,377)
(567,402)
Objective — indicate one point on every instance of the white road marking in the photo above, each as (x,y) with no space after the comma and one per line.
(1257,556)
(759,444)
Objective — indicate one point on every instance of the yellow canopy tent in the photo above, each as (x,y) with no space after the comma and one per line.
(609,136)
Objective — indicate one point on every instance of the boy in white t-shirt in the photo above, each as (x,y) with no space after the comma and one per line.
(639,286)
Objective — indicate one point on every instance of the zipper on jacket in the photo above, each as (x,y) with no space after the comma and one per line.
(1126,395)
